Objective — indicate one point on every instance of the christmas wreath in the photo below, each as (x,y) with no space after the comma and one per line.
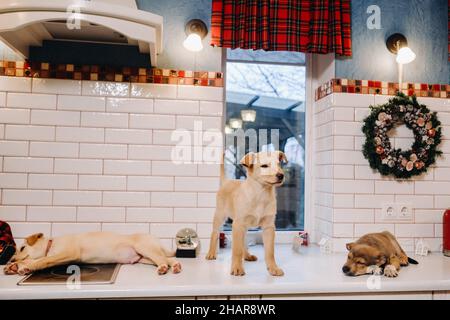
(417,117)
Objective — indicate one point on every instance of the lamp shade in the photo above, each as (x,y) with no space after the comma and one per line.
(248,115)
(235,123)
(193,42)
(405,55)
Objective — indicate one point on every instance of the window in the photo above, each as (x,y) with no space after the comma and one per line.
(265,102)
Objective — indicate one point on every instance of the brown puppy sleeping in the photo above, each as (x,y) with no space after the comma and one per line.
(374,252)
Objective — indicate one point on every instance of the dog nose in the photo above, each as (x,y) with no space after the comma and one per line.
(345,269)
(280,176)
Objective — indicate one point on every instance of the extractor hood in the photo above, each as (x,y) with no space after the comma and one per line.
(25,23)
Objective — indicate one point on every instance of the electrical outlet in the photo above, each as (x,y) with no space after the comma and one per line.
(404,211)
(388,212)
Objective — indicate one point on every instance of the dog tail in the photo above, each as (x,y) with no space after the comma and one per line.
(412,261)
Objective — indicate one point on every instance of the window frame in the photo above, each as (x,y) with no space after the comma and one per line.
(286,236)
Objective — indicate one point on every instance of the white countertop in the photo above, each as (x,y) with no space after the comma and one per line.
(308,272)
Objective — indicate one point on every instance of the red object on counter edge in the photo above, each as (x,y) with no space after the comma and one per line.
(446,233)
(304,236)
(222,240)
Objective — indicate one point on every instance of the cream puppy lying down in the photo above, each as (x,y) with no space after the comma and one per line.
(39,252)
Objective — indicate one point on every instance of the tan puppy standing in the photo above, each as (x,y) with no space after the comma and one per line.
(39,252)
(250,203)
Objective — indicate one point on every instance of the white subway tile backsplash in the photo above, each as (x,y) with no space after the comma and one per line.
(362,228)
(13,148)
(149,214)
(13,213)
(126,228)
(52,117)
(13,180)
(353,215)
(428,216)
(101,214)
(103,151)
(127,167)
(104,120)
(129,105)
(343,230)
(99,182)
(77,198)
(52,181)
(128,136)
(151,90)
(15,84)
(204,184)
(110,89)
(174,199)
(76,134)
(193,214)
(209,108)
(31,101)
(150,183)
(32,165)
(2,99)
(442,202)
(200,93)
(168,168)
(60,229)
(25,229)
(56,86)
(436,187)
(343,200)
(169,230)
(27,197)
(206,199)
(89,159)
(78,166)
(81,103)
(414,230)
(27,132)
(18,116)
(54,149)
(372,200)
(152,121)
(51,214)
(128,199)
(353,186)
(181,107)
(394,187)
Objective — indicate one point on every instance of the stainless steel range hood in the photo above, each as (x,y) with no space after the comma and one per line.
(25,23)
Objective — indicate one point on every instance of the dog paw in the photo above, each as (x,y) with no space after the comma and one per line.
(390,271)
(11,268)
(374,269)
(275,271)
(237,270)
(176,267)
(250,257)
(211,256)
(162,269)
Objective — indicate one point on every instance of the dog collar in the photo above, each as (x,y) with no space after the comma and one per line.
(49,245)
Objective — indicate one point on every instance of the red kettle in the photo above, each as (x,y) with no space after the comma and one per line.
(446,233)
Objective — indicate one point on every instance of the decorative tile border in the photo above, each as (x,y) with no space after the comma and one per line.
(383,88)
(116,74)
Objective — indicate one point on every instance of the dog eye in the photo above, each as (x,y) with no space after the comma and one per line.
(21,249)
(264,166)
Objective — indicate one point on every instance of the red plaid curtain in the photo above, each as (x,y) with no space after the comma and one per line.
(317,26)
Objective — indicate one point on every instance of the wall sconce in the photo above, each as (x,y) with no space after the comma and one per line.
(235,123)
(397,44)
(196,30)
(248,115)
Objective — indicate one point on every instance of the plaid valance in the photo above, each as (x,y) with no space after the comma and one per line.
(317,26)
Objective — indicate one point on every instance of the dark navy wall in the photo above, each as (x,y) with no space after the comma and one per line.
(423,22)
(176,13)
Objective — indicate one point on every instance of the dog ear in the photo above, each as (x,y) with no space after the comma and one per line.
(349,245)
(248,160)
(282,157)
(31,240)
